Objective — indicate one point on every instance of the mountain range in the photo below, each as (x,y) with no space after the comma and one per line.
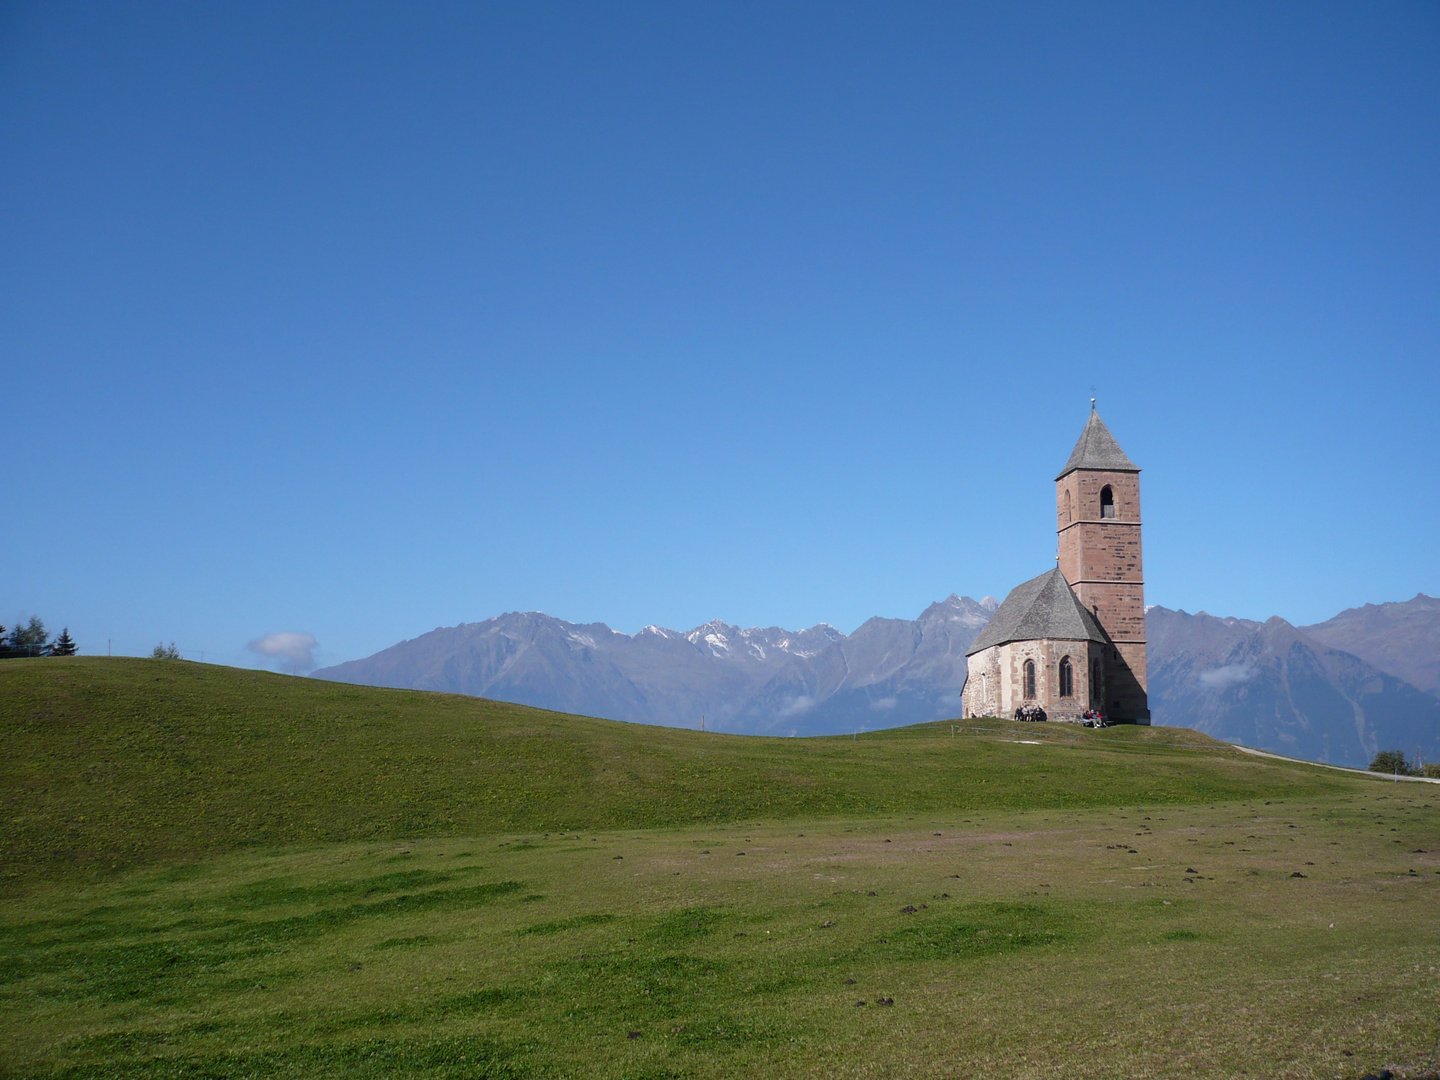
(1329,692)
(1337,691)
(758,681)
(1402,639)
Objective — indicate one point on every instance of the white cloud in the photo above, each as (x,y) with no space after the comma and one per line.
(885,704)
(293,652)
(1229,675)
(797,705)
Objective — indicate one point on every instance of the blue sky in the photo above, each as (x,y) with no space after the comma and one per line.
(357,320)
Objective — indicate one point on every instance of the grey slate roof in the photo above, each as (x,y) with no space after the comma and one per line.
(1097,449)
(1043,607)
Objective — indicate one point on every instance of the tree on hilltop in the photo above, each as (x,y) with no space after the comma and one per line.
(64,645)
(28,640)
(1392,762)
(165,652)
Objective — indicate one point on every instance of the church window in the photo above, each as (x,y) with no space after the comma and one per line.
(1029,678)
(1067,506)
(1067,678)
(1095,680)
(1107,502)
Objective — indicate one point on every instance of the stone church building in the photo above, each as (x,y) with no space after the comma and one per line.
(1073,639)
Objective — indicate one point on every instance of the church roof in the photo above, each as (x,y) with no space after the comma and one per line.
(1043,607)
(1097,449)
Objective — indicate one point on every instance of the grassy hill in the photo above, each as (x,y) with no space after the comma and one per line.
(214,873)
(115,761)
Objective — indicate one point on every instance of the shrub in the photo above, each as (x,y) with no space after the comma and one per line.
(1392,762)
(169,652)
(1432,770)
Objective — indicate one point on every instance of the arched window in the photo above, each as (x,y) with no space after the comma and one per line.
(1067,678)
(1067,506)
(1029,678)
(1095,682)
(1107,502)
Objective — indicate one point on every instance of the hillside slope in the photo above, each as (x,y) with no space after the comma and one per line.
(110,762)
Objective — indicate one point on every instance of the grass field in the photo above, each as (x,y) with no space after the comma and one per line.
(215,873)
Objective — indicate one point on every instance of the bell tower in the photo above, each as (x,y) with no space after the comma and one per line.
(1097,503)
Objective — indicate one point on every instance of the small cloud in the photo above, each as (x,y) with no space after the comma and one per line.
(294,652)
(1229,675)
(885,704)
(797,705)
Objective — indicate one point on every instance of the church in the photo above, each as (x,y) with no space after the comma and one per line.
(1072,641)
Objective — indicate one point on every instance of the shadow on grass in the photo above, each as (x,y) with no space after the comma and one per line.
(464,1056)
(975,930)
(559,926)
(166,970)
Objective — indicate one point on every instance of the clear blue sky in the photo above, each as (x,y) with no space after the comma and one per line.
(357,320)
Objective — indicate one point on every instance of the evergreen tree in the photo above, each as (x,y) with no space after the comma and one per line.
(165,652)
(64,645)
(29,639)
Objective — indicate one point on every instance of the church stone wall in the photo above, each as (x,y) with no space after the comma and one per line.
(982,684)
(1095,552)
(995,683)
(1084,487)
(1102,560)
(1127,695)
(1118,606)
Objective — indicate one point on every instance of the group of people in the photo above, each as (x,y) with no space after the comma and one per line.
(1090,717)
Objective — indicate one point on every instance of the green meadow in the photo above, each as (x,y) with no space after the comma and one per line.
(219,873)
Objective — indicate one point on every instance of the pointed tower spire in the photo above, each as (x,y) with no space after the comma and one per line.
(1097,449)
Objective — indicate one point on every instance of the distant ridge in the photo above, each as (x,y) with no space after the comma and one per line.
(1336,692)
(757,681)
(1275,687)
(1400,638)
